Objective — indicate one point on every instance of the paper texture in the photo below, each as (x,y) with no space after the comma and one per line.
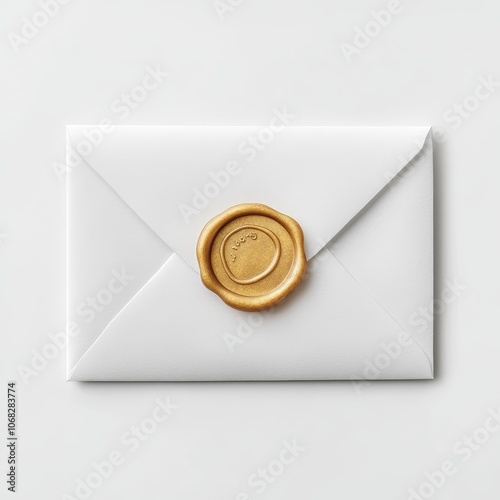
(137,202)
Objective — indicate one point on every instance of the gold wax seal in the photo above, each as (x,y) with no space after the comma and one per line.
(251,256)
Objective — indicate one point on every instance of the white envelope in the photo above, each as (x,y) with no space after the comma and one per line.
(138,198)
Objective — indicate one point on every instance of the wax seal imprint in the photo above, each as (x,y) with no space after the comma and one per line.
(251,256)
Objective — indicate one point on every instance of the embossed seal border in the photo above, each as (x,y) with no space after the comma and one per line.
(241,302)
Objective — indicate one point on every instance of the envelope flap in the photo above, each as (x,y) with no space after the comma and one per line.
(177,178)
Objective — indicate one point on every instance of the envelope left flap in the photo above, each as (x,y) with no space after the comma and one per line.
(178,178)
(111,255)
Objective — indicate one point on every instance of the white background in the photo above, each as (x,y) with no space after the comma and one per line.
(373,444)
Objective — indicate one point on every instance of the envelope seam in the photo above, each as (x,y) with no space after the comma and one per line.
(119,196)
(118,314)
(383,308)
(386,187)
(69,375)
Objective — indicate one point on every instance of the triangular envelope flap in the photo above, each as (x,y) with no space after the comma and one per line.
(149,341)
(177,178)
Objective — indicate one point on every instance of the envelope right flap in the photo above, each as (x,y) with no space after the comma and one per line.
(388,249)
